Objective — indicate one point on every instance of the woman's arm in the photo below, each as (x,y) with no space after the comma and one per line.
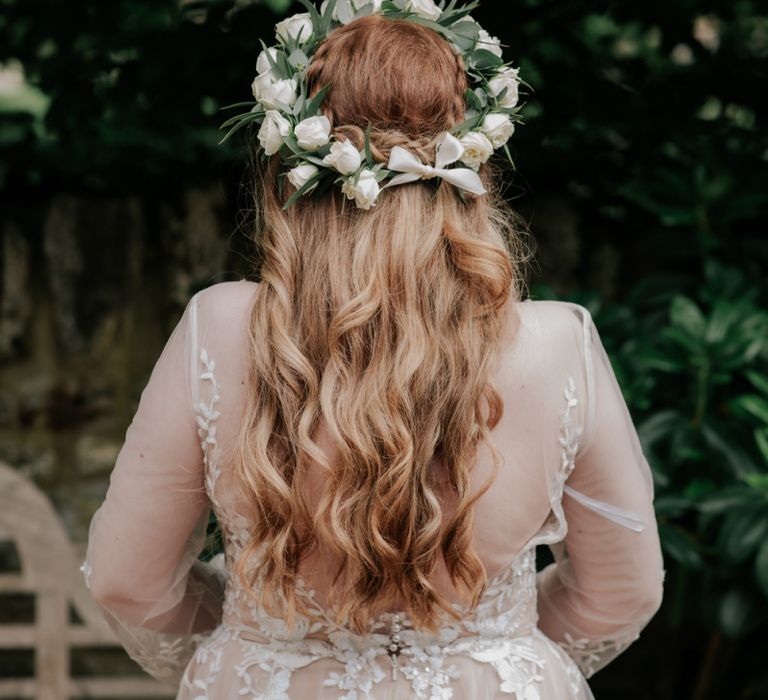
(142,559)
(607,580)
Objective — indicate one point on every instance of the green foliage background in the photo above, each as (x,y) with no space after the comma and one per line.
(646,131)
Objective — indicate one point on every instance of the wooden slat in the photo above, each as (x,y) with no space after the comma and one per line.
(24,637)
(15,583)
(52,652)
(119,688)
(91,687)
(50,572)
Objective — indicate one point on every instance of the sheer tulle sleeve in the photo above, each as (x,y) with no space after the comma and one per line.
(142,562)
(607,578)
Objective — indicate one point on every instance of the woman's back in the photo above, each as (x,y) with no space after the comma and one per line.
(535,635)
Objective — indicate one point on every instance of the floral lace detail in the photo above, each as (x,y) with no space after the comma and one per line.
(500,631)
(570,434)
(591,655)
(207,414)
(162,656)
(85,567)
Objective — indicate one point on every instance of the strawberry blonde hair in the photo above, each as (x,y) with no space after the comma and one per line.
(385,325)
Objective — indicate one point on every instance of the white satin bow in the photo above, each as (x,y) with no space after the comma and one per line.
(449,150)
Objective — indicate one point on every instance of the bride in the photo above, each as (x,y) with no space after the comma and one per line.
(384,429)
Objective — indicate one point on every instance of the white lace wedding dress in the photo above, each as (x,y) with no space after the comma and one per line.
(574,478)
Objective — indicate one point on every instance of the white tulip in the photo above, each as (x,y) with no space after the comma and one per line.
(489,43)
(477,149)
(280,94)
(273,131)
(508,78)
(301,175)
(263,66)
(425,8)
(313,132)
(345,10)
(498,128)
(365,191)
(298,27)
(344,157)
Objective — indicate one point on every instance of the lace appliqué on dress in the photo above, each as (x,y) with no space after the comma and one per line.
(207,414)
(500,631)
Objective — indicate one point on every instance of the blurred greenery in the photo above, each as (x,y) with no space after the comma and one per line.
(646,128)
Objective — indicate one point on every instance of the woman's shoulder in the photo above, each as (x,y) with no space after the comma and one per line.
(553,320)
(225,299)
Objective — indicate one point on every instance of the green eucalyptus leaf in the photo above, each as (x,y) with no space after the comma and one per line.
(237,127)
(313,107)
(314,15)
(482,59)
(473,100)
(465,35)
(306,187)
(251,116)
(368,152)
(327,18)
(277,68)
(240,104)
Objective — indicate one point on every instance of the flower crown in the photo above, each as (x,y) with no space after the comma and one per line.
(290,123)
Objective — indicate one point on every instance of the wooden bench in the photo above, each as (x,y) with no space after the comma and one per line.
(50,573)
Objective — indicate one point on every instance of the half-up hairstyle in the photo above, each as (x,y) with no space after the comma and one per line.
(384,325)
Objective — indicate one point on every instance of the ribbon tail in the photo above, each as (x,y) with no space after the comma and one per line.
(402,179)
(465,178)
(620,516)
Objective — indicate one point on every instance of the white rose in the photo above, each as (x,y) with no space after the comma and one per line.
(313,132)
(298,27)
(280,94)
(263,66)
(498,128)
(345,10)
(477,149)
(365,191)
(425,8)
(489,43)
(506,79)
(273,131)
(301,175)
(344,157)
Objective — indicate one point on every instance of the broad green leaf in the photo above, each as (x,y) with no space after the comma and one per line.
(753,405)
(761,568)
(728,498)
(685,314)
(761,437)
(742,532)
(736,457)
(680,546)
(758,379)
(738,612)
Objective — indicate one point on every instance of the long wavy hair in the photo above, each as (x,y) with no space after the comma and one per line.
(384,325)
